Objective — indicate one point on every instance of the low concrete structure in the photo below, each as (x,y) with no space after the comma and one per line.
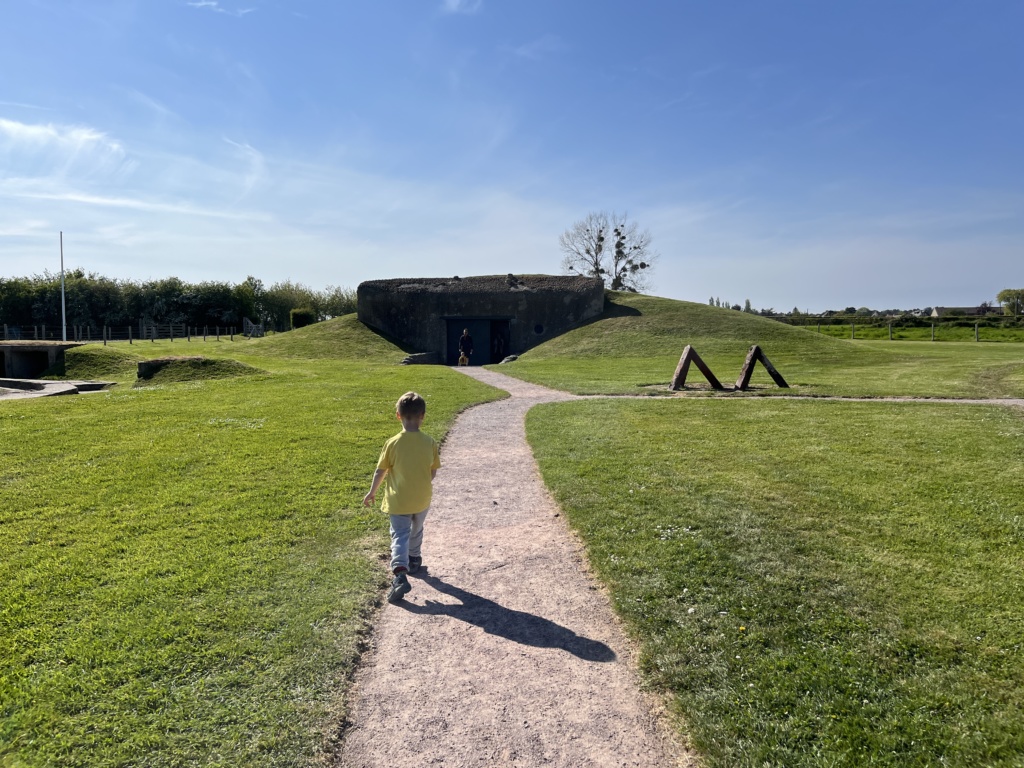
(11,389)
(505,314)
(28,359)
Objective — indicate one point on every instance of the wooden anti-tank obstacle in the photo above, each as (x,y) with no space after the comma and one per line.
(756,353)
(690,356)
(753,356)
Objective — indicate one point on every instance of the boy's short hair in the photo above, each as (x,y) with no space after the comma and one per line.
(411,404)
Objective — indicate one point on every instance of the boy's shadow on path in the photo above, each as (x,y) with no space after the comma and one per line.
(517,626)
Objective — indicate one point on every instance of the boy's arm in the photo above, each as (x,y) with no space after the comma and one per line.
(378,477)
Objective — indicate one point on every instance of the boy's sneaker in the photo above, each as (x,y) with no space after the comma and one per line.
(399,587)
(414,564)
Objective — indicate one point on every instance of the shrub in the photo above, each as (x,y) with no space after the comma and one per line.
(301,317)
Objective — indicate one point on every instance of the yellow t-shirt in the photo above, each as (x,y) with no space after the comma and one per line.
(409,458)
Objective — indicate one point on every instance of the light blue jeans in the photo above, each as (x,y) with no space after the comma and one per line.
(406,538)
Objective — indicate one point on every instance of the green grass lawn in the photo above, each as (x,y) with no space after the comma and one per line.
(815,583)
(186,572)
(943,332)
(635,346)
(186,569)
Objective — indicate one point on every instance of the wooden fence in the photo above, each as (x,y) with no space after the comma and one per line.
(110,333)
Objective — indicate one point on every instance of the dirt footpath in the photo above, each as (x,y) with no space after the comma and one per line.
(506,652)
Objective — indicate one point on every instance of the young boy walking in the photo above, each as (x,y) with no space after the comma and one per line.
(407,467)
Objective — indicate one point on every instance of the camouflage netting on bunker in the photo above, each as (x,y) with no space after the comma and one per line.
(504,314)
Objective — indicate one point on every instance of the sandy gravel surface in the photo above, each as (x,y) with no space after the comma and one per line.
(506,652)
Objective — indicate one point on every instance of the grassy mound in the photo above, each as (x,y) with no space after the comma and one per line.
(176,369)
(637,341)
(633,348)
(342,338)
(634,325)
(95,361)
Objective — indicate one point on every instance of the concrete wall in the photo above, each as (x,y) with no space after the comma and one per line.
(28,360)
(417,312)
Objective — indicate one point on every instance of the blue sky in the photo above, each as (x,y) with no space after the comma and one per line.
(798,154)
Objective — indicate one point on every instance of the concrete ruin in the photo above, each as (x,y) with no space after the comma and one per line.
(28,359)
(14,389)
(505,314)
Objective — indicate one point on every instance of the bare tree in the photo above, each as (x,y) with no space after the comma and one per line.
(583,245)
(609,247)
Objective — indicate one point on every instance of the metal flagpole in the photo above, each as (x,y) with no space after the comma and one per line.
(63,312)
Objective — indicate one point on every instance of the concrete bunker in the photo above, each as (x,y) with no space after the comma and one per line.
(505,314)
(29,359)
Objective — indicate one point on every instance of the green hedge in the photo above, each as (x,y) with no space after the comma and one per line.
(302,317)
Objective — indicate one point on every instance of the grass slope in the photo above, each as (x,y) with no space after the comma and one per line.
(816,583)
(635,346)
(343,338)
(198,368)
(96,361)
(186,569)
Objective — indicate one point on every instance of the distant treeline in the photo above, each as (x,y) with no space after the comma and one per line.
(953,320)
(95,301)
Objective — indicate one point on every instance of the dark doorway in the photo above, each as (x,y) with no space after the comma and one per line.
(480,330)
(491,340)
(500,336)
(28,364)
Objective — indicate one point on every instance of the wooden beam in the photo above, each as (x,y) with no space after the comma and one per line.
(753,356)
(690,356)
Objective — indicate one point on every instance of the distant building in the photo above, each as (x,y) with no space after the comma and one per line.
(505,314)
(966,311)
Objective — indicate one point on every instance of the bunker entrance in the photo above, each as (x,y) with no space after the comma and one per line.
(490,339)
(28,364)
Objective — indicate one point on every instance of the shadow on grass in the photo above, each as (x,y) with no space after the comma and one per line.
(402,345)
(614,309)
(517,626)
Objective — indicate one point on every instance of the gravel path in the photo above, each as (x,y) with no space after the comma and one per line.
(506,652)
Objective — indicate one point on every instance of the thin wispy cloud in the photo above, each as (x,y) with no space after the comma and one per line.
(149,103)
(128,203)
(940,222)
(28,228)
(539,49)
(256,165)
(48,150)
(72,138)
(22,105)
(461,6)
(215,6)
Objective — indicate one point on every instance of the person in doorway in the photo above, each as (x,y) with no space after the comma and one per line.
(499,347)
(465,344)
(409,463)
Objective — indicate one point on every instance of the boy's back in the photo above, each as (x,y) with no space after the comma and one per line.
(408,458)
